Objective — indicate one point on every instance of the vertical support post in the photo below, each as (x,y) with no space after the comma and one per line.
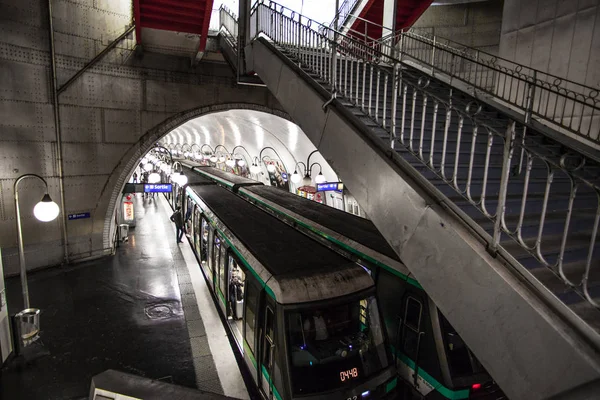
(59,152)
(334,49)
(23,268)
(243,38)
(509,142)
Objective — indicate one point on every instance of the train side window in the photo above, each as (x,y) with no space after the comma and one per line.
(236,278)
(204,244)
(251,303)
(216,252)
(270,350)
(411,326)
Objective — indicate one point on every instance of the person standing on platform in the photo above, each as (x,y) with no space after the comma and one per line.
(177,217)
(135,177)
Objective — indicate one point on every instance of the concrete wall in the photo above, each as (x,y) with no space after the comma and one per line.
(472,24)
(555,36)
(108,117)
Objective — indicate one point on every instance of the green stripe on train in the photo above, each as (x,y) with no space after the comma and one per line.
(342,245)
(235,250)
(438,386)
(266,374)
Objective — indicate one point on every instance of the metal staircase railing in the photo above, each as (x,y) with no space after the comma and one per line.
(228,25)
(555,101)
(532,197)
(344,12)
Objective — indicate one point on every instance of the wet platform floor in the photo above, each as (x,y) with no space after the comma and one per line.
(134,312)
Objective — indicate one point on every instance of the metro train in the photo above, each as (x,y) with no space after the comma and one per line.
(430,356)
(305,319)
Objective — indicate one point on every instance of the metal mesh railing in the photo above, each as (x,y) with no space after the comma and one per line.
(228,24)
(546,198)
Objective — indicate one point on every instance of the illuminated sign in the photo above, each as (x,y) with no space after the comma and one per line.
(158,188)
(349,374)
(128,214)
(324,187)
(79,216)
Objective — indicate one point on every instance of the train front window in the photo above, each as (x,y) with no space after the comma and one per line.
(461,360)
(334,347)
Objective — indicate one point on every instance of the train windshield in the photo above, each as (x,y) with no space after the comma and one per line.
(461,360)
(334,347)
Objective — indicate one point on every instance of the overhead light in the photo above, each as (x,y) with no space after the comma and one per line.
(255,169)
(198,156)
(154,178)
(230,162)
(186,154)
(320,178)
(213,158)
(271,167)
(182,180)
(144,160)
(222,158)
(241,162)
(46,210)
(296,177)
(175,177)
(148,167)
(306,181)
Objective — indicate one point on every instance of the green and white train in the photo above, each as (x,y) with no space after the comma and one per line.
(430,357)
(305,318)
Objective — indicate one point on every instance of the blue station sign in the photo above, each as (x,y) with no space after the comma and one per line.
(158,187)
(327,186)
(79,216)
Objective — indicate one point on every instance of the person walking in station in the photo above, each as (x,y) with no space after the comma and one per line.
(177,217)
(135,177)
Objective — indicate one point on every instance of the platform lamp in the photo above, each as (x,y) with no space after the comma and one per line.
(45,210)
(186,151)
(164,166)
(197,156)
(178,178)
(222,158)
(241,162)
(296,177)
(271,167)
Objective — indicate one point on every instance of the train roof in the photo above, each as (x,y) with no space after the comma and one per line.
(297,268)
(232,181)
(193,177)
(351,226)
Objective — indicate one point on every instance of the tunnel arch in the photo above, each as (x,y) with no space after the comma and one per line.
(118,177)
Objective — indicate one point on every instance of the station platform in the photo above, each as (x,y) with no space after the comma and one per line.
(146,312)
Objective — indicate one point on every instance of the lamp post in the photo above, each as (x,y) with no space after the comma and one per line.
(296,178)
(45,210)
(260,157)
(180,178)
(241,162)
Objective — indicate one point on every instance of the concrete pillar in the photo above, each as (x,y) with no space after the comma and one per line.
(243,33)
(389,17)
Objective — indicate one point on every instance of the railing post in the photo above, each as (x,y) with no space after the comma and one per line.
(299,36)
(394,104)
(433,57)
(509,142)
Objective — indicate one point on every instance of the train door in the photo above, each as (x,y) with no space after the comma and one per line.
(196,223)
(204,240)
(408,338)
(215,257)
(233,282)
(269,367)
(251,323)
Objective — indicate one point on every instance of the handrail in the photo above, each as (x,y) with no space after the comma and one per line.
(372,80)
(342,13)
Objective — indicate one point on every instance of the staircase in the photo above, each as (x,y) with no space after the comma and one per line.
(497,221)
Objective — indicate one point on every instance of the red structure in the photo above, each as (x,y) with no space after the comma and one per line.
(173,15)
(407,12)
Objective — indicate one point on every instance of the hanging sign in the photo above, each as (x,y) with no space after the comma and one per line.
(79,216)
(326,186)
(158,188)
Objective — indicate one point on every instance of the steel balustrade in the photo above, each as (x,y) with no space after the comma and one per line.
(536,199)
(556,101)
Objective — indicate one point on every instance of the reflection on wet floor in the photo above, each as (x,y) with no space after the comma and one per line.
(123,312)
